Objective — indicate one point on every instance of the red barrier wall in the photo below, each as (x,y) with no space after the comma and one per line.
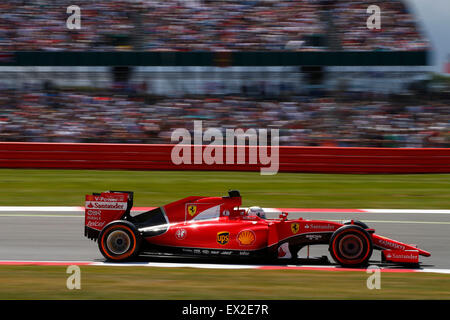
(158,157)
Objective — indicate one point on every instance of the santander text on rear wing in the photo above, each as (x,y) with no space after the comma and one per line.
(102,208)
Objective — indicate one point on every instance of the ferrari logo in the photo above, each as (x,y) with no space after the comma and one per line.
(192,210)
(223,237)
(295,227)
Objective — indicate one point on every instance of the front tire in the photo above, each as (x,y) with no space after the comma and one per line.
(357,223)
(119,241)
(351,246)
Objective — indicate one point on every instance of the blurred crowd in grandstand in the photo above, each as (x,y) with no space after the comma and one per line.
(333,120)
(96,115)
(206,25)
(398,29)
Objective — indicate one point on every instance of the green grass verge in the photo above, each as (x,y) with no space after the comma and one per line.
(49,282)
(155,188)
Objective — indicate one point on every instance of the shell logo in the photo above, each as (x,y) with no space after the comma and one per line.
(246,237)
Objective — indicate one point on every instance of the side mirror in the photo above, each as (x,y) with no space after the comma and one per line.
(283,216)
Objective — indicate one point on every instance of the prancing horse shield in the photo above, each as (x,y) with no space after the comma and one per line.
(295,227)
(192,209)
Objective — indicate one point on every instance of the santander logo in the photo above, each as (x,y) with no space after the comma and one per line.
(106,205)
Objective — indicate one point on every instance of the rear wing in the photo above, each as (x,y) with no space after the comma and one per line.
(102,208)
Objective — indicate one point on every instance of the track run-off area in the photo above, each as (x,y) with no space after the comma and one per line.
(54,236)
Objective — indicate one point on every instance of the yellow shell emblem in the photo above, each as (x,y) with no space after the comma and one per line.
(246,237)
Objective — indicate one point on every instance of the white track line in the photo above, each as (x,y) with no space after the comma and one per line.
(38,215)
(441,271)
(41,209)
(268,210)
(398,221)
(425,211)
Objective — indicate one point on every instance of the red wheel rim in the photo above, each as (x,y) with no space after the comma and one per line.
(351,247)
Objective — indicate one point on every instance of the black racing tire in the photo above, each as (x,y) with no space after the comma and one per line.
(119,241)
(351,246)
(357,223)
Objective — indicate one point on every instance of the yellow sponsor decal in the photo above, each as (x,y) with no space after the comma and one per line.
(223,237)
(295,227)
(192,209)
(246,237)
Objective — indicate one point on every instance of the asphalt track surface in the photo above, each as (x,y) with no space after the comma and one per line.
(59,236)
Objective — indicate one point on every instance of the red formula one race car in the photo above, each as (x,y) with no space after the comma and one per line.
(216,227)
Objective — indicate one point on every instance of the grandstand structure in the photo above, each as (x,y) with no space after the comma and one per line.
(136,70)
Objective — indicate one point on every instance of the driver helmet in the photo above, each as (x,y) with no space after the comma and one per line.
(256,211)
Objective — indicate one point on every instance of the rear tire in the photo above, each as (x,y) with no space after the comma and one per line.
(351,246)
(119,241)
